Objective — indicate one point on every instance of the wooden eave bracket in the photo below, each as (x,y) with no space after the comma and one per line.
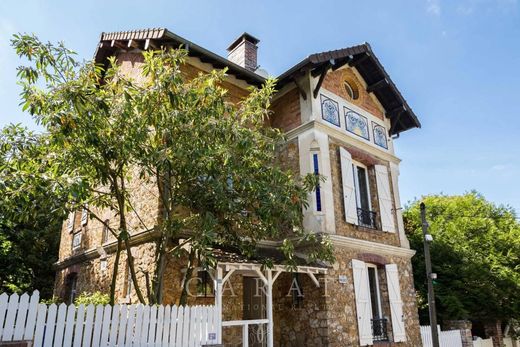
(377,85)
(395,116)
(150,43)
(322,72)
(300,89)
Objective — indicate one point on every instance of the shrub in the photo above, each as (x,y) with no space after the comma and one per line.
(96,298)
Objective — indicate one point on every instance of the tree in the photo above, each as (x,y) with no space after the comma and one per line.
(475,252)
(31,211)
(213,163)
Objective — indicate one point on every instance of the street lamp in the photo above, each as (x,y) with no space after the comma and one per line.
(430,276)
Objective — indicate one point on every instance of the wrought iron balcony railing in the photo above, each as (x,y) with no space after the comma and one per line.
(379,329)
(367,218)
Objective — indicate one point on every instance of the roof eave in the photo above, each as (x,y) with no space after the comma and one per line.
(165,37)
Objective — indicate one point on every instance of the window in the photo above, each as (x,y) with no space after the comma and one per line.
(84,216)
(379,326)
(375,296)
(76,241)
(351,89)
(366,217)
(316,168)
(105,233)
(72,288)
(204,284)
(70,221)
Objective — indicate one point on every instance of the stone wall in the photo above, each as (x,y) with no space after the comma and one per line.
(342,227)
(92,277)
(143,195)
(300,322)
(465,330)
(494,330)
(341,306)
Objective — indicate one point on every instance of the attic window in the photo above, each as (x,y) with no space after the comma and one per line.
(351,90)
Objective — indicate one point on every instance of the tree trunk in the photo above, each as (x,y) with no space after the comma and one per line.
(157,281)
(124,234)
(131,267)
(187,276)
(114,272)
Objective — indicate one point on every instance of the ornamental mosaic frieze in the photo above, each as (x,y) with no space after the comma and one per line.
(329,110)
(356,124)
(380,135)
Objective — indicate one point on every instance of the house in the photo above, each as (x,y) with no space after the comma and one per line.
(341,114)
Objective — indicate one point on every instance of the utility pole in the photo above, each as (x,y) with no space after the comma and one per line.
(429,277)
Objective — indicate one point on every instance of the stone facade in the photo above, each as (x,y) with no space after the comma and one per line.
(325,315)
(465,330)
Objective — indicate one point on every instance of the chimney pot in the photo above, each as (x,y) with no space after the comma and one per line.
(243,51)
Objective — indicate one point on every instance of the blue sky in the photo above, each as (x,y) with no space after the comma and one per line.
(456,62)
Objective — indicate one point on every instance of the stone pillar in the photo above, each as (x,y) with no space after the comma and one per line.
(494,330)
(465,330)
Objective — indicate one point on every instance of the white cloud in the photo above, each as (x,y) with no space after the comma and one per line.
(434,7)
(500,167)
(470,7)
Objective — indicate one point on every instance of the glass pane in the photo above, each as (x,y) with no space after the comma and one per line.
(363,189)
(374,295)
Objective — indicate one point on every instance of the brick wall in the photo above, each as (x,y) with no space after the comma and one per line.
(286,113)
(334,82)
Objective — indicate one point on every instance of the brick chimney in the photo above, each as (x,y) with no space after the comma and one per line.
(243,51)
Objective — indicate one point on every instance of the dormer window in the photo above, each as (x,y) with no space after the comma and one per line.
(351,90)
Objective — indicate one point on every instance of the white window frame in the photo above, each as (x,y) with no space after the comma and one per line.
(368,265)
(80,236)
(70,221)
(84,215)
(314,194)
(355,165)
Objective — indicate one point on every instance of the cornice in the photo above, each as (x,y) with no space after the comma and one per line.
(340,136)
(369,246)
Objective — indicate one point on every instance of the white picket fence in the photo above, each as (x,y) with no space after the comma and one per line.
(23,318)
(510,342)
(449,338)
(479,342)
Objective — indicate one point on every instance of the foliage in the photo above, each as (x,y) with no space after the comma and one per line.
(52,300)
(31,210)
(475,252)
(213,163)
(96,298)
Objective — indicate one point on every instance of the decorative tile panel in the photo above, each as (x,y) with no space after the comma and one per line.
(356,124)
(380,135)
(329,110)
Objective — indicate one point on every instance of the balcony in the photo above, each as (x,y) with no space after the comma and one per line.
(367,218)
(379,329)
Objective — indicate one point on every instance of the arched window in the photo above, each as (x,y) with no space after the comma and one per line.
(351,89)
